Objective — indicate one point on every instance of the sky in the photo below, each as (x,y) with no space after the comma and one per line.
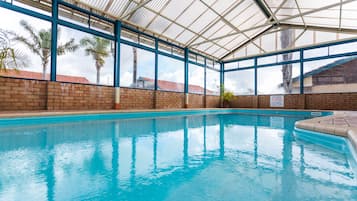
(78,64)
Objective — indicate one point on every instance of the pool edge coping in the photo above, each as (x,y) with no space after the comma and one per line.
(318,124)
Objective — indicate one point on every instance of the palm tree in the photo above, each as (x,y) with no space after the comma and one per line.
(99,49)
(286,38)
(40,44)
(9,57)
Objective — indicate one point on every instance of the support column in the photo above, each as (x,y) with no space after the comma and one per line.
(117,65)
(221,80)
(301,71)
(205,85)
(156,86)
(186,78)
(54,30)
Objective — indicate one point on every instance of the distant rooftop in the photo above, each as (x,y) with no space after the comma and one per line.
(174,86)
(38,76)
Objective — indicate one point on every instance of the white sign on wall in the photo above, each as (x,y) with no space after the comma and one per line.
(277,101)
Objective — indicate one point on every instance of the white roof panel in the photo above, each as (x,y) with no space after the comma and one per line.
(217,26)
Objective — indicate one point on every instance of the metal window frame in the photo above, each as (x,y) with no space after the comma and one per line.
(118,26)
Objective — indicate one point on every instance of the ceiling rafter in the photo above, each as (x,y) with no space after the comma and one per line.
(281,21)
(130,7)
(216,20)
(246,42)
(230,24)
(269,19)
(156,15)
(180,25)
(138,6)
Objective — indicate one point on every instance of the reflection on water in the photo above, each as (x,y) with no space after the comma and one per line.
(215,157)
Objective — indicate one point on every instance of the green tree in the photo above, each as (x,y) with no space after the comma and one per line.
(39,42)
(99,49)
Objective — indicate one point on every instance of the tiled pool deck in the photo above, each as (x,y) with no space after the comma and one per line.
(342,123)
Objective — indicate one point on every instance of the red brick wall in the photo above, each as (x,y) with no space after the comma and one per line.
(195,101)
(169,100)
(136,98)
(212,101)
(67,96)
(333,101)
(20,94)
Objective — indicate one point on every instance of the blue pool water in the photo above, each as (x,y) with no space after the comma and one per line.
(219,156)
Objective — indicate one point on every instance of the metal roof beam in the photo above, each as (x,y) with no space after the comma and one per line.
(248,41)
(318,28)
(272,23)
(230,24)
(266,10)
(131,13)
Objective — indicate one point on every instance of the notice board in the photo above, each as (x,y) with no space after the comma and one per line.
(277,101)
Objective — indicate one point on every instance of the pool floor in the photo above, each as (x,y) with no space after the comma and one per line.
(218,157)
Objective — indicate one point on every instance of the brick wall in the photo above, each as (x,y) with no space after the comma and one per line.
(332,101)
(169,100)
(20,94)
(136,98)
(212,101)
(195,101)
(67,96)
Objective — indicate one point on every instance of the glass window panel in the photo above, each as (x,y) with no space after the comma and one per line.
(267,60)
(268,42)
(212,82)
(81,66)
(288,56)
(32,62)
(42,7)
(142,74)
(240,82)
(217,66)
(306,39)
(72,16)
(331,75)
(252,49)
(147,41)
(271,80)
(246,63)
(101,25)
(343,48)
(195,79)
(325,36)
(317,52)
(170,74)
(129,36)
(209,63)
(231,65)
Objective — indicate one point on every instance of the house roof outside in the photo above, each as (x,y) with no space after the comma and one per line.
(325,67)
(38,76)
(175,86)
